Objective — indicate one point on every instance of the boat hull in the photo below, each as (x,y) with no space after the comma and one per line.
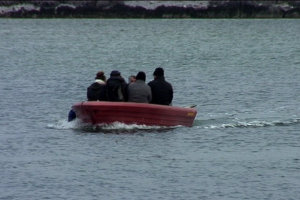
(102,112)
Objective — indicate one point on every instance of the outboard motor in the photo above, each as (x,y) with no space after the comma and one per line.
(71,116)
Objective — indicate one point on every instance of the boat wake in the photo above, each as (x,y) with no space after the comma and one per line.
(118,127)
(115,127)
(214,124)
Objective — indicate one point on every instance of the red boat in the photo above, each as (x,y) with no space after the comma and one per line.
(103,112)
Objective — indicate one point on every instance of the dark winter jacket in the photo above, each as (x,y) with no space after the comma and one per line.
(96,91)
(116,89)
(162,91)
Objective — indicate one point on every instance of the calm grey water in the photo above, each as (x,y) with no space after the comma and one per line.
(243,75)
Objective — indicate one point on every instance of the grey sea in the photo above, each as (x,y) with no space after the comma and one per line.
(243,75)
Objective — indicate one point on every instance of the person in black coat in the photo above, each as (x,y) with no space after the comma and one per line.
(162,91)
(97,90)
(116,87)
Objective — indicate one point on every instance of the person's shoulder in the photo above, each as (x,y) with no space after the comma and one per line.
(147,86)
(167,81)
(130,85)
(151,82)
(121,79)
(93,85)
(169,84)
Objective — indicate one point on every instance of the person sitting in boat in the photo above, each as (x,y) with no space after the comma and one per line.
(139,91)
(131,79)
(162,91)
(97,90)
(116,87)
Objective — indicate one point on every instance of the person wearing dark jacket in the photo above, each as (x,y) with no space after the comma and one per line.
(116,87)
(162,91)
(97,90)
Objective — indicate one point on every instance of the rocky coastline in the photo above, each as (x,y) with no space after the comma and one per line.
(148,9)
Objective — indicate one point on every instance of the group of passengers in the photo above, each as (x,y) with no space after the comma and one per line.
(115,88)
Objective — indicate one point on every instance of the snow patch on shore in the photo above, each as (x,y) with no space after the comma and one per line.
(16,8)
(152,5)
(65,6)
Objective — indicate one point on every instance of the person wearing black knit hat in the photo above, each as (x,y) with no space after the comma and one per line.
(162,91)
(139,91)
(159,72)
(116,87)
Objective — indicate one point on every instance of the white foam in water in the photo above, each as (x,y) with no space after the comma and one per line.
(64,124)
(76,124)
(254,124)
(122,126)
(248,124)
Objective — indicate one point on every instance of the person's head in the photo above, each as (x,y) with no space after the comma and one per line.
(115,73)
(131,79)
(141,76)
(100,75)
(159,72)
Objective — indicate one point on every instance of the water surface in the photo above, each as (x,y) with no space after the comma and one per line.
(242,74)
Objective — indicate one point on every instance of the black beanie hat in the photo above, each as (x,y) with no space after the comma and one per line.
(141,76)
(115,73)
(158,72)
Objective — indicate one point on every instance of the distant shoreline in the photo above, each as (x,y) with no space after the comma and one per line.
(149,9)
